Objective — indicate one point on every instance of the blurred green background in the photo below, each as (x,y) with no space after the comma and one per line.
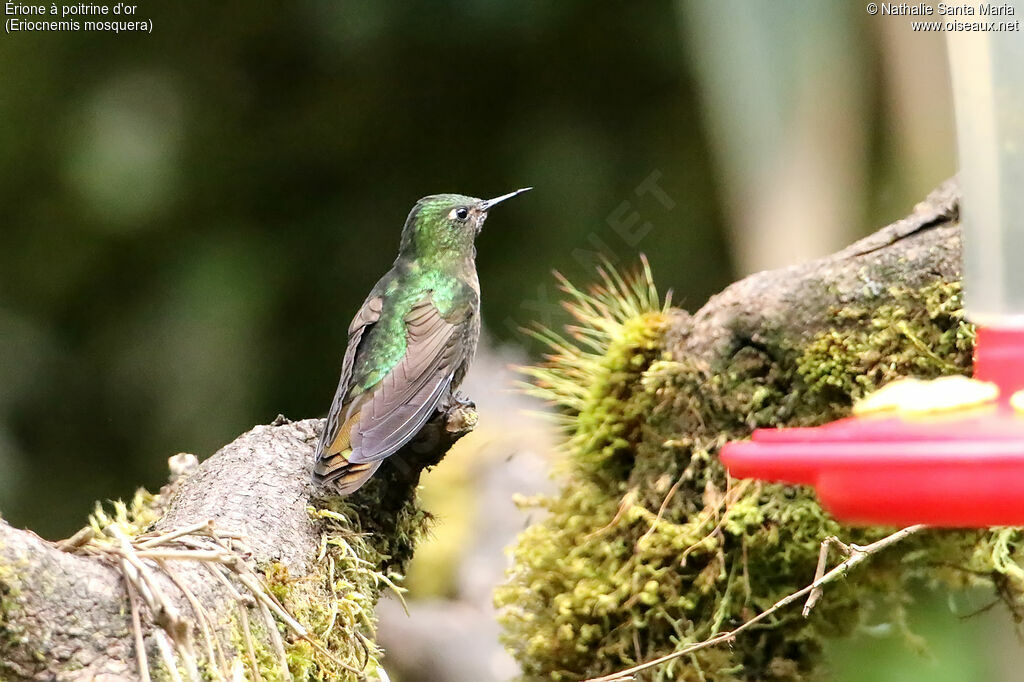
(192,216)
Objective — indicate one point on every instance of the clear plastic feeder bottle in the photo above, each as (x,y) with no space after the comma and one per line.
(988,89)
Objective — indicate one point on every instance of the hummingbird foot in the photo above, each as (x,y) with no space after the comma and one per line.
(454,418)
(456,400)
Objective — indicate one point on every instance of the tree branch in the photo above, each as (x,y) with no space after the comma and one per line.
(99,605)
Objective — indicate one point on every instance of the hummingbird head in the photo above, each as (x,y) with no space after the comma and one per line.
(445,226)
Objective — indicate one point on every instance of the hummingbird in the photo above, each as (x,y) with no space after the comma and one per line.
(411,342)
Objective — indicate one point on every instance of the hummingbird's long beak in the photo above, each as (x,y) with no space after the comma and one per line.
(487,205)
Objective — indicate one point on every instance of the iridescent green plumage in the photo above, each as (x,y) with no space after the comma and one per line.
(411,342)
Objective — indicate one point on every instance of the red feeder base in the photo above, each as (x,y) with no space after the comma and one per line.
(961,469)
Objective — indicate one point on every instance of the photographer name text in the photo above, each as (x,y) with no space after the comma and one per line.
(923,9)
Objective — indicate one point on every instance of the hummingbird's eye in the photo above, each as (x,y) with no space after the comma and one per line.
(461,213)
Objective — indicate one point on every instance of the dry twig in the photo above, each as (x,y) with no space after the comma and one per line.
(142,559)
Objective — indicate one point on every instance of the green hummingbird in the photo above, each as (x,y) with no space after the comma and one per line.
(411,342)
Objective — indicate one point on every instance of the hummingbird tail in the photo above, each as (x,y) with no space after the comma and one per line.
(354,476)
(348,478)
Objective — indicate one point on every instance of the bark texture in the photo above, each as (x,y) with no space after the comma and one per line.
(799,301)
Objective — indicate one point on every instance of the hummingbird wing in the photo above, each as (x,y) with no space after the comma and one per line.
(334,436)
(407,395)
(374,424)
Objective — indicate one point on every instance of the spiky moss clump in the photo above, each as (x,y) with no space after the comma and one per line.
(650,546)
(591,376)
(133,518)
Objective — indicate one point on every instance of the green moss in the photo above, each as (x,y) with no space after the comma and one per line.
(262,656)
(9,590)
(367,540)
(12,635)
(360,556)
(921,334)
(133,518)
(335,601)
(649,546)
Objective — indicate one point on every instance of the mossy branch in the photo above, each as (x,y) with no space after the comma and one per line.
(856,556)
(236,568)
(650,550)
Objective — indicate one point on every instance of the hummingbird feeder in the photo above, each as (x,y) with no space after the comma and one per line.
(948,452)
